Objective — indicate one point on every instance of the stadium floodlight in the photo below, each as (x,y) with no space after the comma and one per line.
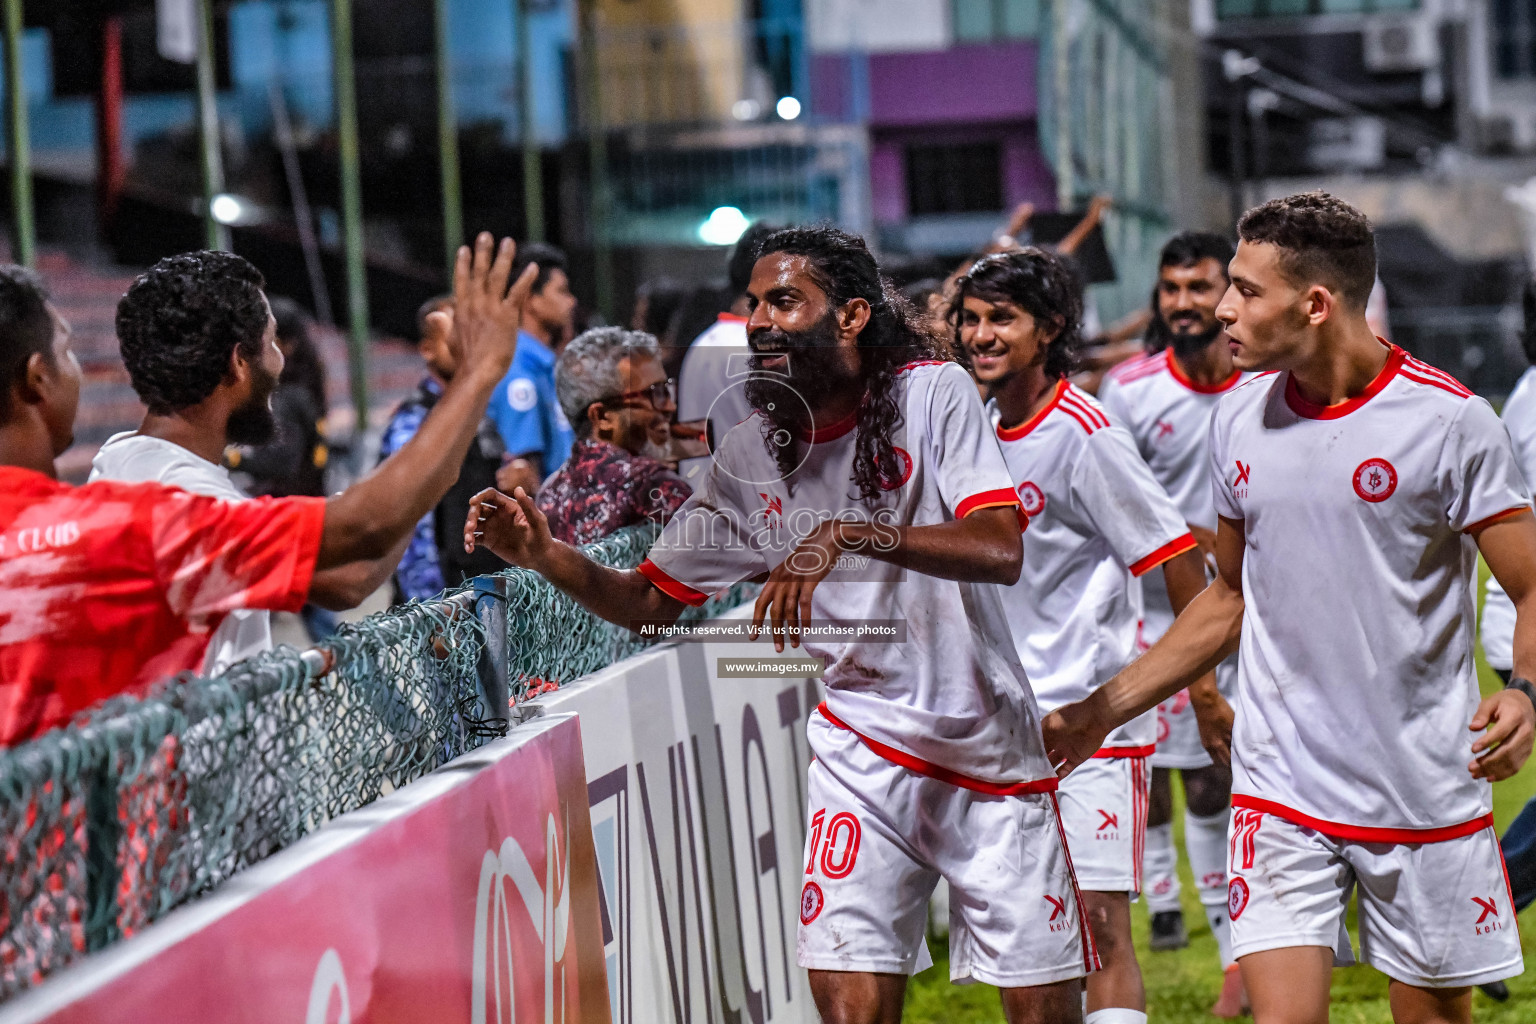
(788,108)
(724,226)
(226,209)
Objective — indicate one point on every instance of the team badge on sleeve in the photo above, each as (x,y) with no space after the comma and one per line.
(811,902)
(1375,479)
(1031,498)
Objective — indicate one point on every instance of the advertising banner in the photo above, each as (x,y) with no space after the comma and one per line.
(470,895)
(696,760)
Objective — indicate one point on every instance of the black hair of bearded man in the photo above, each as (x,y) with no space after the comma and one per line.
(181,319)
(1188,248)
(842,266)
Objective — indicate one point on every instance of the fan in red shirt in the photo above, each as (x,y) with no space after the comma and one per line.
(109,587)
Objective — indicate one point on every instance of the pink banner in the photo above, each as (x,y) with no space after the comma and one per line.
(470,895)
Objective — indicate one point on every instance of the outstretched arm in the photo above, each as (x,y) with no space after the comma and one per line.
(1506,718)
(1185,579)
(1205,632)
(513,529)
(369,518)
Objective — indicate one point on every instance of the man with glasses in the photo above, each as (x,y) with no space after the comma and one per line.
(613,389)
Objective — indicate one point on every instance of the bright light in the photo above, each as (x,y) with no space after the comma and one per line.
(788,108)
(226,209)
(724,226)
(746,110)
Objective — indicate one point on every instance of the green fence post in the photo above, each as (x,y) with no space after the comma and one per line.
(18,142)
(533,170)
(351,208)
(600,206)
(216,234)
(448,143)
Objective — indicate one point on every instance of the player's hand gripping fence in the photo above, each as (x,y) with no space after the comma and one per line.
(143,804)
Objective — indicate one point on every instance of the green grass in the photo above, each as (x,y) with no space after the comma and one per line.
(1182,985)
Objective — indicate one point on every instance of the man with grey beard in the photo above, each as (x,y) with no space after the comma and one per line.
(613,389)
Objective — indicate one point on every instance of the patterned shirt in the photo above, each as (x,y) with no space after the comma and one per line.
(603,488)
(419,575)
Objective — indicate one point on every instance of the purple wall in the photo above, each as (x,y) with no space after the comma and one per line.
(970,84)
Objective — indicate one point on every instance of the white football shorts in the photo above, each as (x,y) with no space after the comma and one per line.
(1434,915)
(880,836)
(1104,811)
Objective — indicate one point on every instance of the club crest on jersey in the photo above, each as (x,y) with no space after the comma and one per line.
(1237,898)
(1032,498)
(811,902)
(1375,480)
(905,462)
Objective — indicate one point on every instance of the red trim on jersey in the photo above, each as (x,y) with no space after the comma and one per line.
(1302,406)
(1364,833)
(992,499)
(669,586)
(1141,366)
(1145,751)
(1177,373)
(922,362)
(1172,549)
(1421,367)
(1074,405)
(913,763)
(830,432)
(1015,433)
(1090,950)
(730,318)
(1497,517)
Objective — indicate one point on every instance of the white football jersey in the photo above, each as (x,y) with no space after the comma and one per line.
(1097,521)
(1498,624)
(951,700)
(1356,680)
(711,384)
(1169,416)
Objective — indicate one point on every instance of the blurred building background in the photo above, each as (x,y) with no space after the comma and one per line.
(642,135)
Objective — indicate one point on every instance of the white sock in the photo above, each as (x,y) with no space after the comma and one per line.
(1206,841)
(1159,869)
(1115,1015)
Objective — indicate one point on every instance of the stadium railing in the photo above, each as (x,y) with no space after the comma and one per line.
(142,804)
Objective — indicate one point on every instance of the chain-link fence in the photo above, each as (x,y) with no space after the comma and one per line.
(145,803)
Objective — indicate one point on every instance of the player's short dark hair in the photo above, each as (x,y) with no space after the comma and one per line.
(1041,284)
(1188,248)
(180,321)
(429,307)
(738,269)
(1322,240)
(26,328)
(548,257)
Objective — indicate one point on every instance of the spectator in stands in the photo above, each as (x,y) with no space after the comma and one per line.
(613,388)
(524,407)
(109,587)
(293,461)
(435,555)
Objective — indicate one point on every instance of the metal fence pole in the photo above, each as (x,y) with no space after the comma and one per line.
(18,141)
(597,151)
(215,233)
(533,169)
(448,143)
(351,209)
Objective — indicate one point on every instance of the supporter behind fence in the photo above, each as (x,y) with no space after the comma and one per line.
(104,833)
(615,392)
